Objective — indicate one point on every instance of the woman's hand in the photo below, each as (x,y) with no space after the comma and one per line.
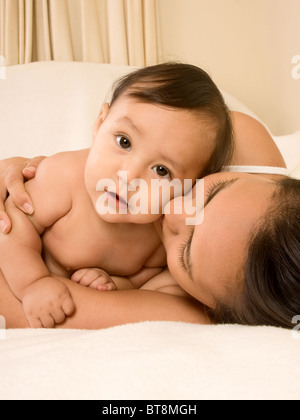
(13,173)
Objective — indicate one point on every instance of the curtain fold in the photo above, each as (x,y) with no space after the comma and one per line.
(42,37)
(101,31)
(91,31)
(117,38)
(135,31)
(25,33)
(60,34)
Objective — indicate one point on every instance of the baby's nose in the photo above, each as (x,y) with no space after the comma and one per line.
(123,177)
(128,176)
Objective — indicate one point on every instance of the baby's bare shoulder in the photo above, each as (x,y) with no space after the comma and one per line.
(52,190)
(66,163)
(62,171)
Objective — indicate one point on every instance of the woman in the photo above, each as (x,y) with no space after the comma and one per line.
(243,262)
(212,271)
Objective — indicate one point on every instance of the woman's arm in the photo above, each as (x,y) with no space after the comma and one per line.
(97,310)
(254,145)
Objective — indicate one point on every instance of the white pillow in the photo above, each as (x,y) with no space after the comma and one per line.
(48,107)
(290,149)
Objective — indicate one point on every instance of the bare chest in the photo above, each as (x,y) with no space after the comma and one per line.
(81,239)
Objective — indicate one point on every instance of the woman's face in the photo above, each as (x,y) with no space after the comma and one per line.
(207,260)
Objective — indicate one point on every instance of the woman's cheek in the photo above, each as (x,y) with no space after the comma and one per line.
(173,257)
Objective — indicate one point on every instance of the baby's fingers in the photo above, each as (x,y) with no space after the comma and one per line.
(87,276)
(103,284)
(47,321)
(34,322)
(68,306)
(79,274)
(58,315)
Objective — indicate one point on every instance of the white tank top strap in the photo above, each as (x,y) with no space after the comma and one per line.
(269,170)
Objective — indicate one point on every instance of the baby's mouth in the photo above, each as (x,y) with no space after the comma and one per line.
(116,200)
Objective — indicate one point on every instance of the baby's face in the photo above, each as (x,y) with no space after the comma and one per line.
(136,145)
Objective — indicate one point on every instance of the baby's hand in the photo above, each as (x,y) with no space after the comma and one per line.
(47,302)
(94,278)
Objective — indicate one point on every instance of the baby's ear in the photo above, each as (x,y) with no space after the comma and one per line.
(101,117)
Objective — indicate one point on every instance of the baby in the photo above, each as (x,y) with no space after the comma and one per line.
(164,122)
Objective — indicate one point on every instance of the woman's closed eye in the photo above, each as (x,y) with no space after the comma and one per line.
(123,142)
(184,253)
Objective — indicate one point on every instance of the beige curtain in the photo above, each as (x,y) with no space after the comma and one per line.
(100,31)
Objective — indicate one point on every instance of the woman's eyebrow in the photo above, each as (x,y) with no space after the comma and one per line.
(219,188)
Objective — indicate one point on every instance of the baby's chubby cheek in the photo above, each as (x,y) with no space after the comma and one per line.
(143,207)
(149,198)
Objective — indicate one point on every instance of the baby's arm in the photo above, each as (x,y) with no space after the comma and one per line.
(98,279)
(46,300)
(154,266)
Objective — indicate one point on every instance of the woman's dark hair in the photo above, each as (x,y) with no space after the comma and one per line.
(186,87)
(271,284)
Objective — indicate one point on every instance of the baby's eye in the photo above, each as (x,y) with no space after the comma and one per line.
(162,171)
(124,142)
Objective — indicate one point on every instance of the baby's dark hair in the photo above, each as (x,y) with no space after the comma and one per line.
(185,87)
(271,285)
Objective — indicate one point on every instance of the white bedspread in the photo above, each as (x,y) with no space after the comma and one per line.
(155,360)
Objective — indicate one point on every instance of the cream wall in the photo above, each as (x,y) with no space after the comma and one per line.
(246,45)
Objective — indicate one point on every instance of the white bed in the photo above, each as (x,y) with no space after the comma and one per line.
(50,107)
